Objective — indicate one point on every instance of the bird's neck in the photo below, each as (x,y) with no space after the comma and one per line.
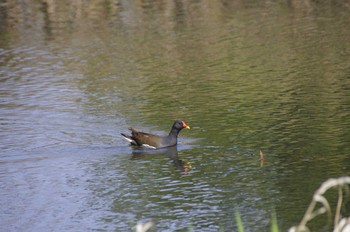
(174,132)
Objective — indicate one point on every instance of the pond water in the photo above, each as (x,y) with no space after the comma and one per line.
(247,76)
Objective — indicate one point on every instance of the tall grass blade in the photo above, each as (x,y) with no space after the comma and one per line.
(274,224)
(239,222)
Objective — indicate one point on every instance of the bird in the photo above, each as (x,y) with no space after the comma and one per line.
(146,140)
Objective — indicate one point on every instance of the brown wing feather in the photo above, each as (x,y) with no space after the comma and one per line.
(145,138)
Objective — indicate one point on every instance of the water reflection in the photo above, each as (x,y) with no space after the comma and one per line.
(249,76)
(171,152)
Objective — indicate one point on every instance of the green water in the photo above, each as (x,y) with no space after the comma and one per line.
(246,76)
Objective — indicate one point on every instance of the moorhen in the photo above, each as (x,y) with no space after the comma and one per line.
(142,139)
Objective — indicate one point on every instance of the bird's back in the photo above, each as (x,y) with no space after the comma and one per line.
(142,138)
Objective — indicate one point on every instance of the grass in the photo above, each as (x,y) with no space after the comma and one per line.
(274,225)
(318,206)
(239,222)
(240,227)
(340,224)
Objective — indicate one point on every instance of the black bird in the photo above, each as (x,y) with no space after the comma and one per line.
(143,139)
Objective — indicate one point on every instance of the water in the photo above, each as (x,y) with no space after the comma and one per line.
(246,76)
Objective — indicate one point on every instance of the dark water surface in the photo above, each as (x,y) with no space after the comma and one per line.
(245,75)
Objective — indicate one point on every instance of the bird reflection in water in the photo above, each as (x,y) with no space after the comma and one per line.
(180,165)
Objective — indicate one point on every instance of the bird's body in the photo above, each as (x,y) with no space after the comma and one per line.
(143,139)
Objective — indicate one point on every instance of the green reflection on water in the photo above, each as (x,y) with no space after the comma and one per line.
(245,76)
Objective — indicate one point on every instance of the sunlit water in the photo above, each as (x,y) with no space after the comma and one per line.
(245,76)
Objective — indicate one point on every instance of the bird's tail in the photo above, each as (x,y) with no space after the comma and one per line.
(128,138)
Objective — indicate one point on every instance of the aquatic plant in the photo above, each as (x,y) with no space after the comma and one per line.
(339,224)
(240,227)
(318,206)
(239,222)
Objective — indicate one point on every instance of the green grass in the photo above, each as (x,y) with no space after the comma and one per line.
(318,206)
(239,222)
(274,225)
(240,227)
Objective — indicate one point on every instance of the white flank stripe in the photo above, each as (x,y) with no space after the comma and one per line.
(148,146)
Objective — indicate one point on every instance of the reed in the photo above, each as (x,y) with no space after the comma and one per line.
(274,225)
(240,227)
(339,224)
(318,206)
(239,222)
